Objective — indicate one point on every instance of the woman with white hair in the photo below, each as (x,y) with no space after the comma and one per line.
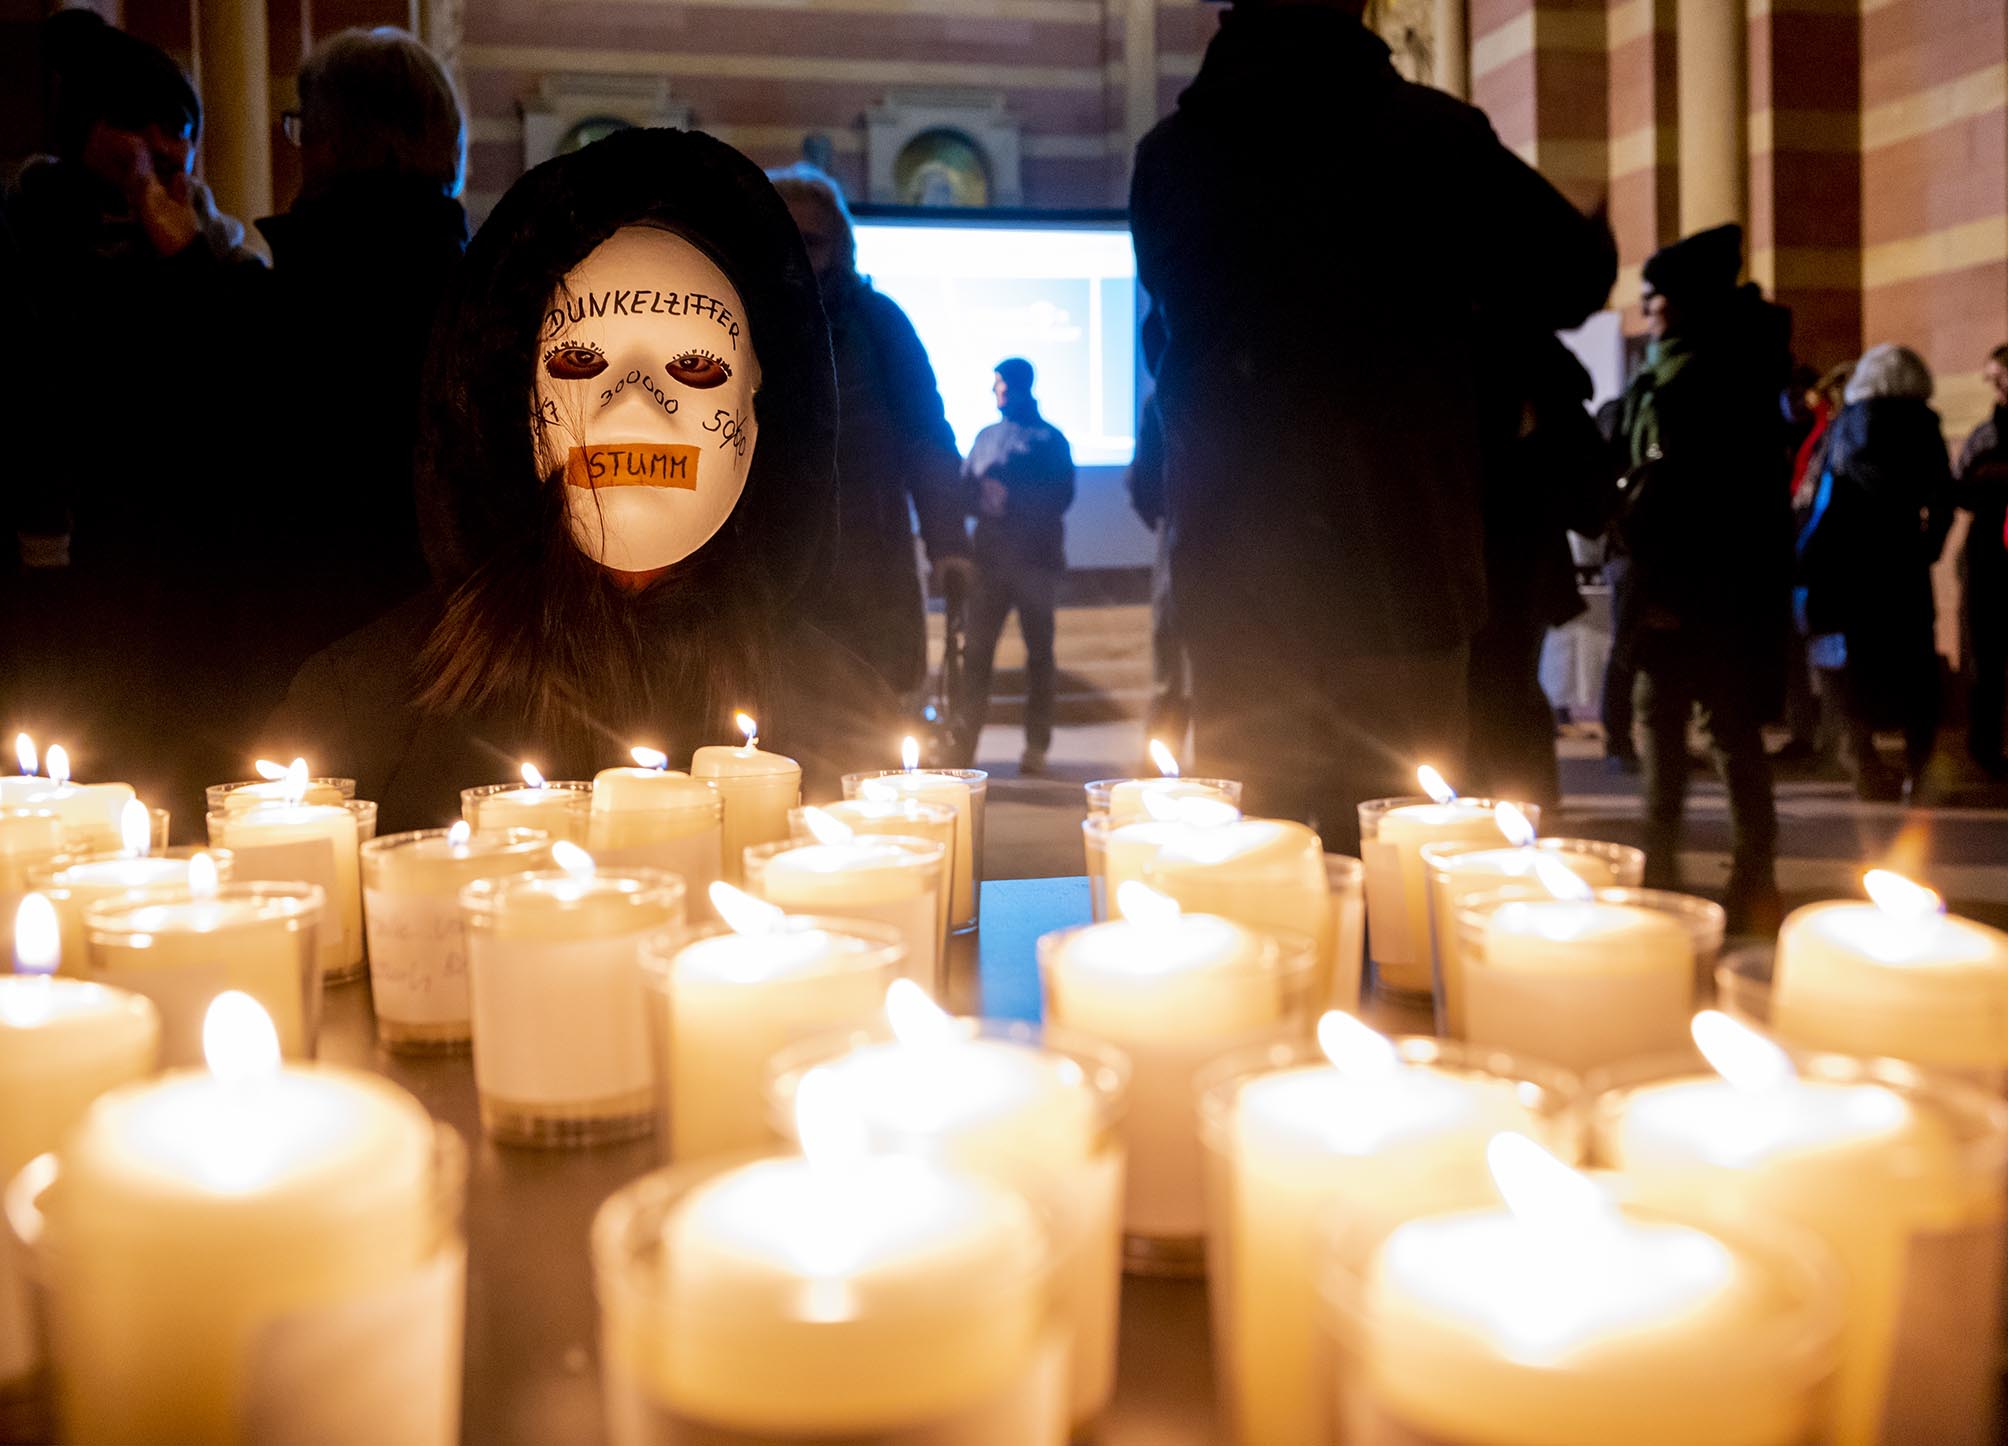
(1877,524)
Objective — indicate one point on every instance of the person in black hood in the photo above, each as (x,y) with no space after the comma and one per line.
(625,477)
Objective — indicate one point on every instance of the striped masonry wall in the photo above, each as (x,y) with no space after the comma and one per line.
(1644,146)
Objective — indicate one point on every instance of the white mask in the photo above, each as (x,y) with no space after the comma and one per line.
(645,377)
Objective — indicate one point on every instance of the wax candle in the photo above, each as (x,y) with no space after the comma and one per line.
(1457,871)
(76,885)
(1172,991)
(317,843)
(560,809)
(1392,833)
(652,817)
(1118,854)
(561,1051)
(1586,981)
(30,838)
(254,1252)
(758,789)
(727,997)
(881,878)
(1365,1129)
(1034,1113)
(1266,873)
(417,937)
(903,818)
(1900,1177)
(258,938)
(63,1042)
(1895,977)
(90,811)
(275,784)
(1565,1319)
(1128,800)
(960,789)
(839,1295)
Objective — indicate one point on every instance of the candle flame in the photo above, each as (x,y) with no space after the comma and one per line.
(1514,824)
(1197,811)
(238,1039)
(1355,1049)
(294,789)
(1540,1189)
(572,859)
(649,758)
(916,1019)
(1561,880)
(24,754)
(825,827)
(1739,1053)
(909,753)
(1433,785)
(1163,758)
(747,724)
(1139,903)
(1897,895)
(202,876)
(827,1123)
(38,941)
(459,834)
(58,764)
(268,770)
(136,828)
(531,777)
(743,913)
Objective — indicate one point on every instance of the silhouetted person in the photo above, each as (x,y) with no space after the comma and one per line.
(1321,236)
(1983,491)
(894,446)
(1023,471)
(1707,524)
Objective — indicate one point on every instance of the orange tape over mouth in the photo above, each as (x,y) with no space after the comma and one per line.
(633,464)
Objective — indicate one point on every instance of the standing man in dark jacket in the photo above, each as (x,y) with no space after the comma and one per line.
(1024,475)
(1983,491)
(1706,520)
(1321,236)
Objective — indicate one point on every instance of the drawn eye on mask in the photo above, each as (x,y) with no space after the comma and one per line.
(574,363)
(699,369)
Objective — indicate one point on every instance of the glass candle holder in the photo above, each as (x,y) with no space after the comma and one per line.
(317,844)
(30,838)
(76,885)
(417,937)
(92,814)
(881,1300)
(259,937)
(158,820)
(205,1251)
(642,818)
(1267,873)
(759,789)
(721,1004)
(1123,799)
(1294,1142)
(561,809)
(1454,872)
(265,792)
(882,879)
(63,1042)
(1900,1173)
(1585,983)
(960,789)
(1037,1111)
(1392,833)
(1638,1325)
(902,817)
(1173,995)
(1345,880)
(561,1052)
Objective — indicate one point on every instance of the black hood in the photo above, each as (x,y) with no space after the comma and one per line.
(481,496)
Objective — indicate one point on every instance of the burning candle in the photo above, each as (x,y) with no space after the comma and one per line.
(213,1239)
(1566,1318)
(561,1051)
(652,817)
(560,809)
(90,811)
(317,843)
(1365,1128)
(30,839)
(1034,1114)
(1126,800)
(78,885)
(729,997)
(758,789)
(1172,991)
(1118,854)
(1896,977)
(1902,1180)
(281,784)
(960,789)
(417,937)
(902,818)
(840,1294)
(881,878)
(1392,833)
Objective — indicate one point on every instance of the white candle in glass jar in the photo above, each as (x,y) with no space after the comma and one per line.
(1397,896)
(884,880)
(1267,873)
(560,809)
(207,1231)
(658,819)
(30,839)
(1897,978)
(758,788)
(318,844)
(903,818)
(267,792)
(90,811)
(75,888)
(1131,799)
(943,790)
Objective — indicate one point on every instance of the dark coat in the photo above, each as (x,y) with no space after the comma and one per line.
(1982,489)
(548,659)
(894,445)
(1320,236)
(1866,552)
(1030,456)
